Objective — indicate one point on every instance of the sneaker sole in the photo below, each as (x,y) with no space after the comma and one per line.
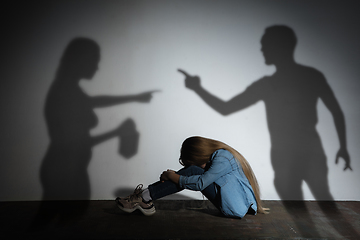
(146,212)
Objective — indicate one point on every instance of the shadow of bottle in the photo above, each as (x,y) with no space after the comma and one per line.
(128,139)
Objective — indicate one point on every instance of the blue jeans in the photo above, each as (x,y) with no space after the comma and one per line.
(162,189)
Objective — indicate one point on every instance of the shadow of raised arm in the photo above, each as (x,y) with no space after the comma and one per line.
(235,104)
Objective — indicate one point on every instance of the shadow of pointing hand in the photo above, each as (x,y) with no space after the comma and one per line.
(191,82)
(145,96)
(343,153)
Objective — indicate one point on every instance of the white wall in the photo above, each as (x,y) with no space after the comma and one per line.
(143,43)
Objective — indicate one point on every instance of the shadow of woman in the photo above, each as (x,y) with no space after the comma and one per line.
(70,115)
(290,96)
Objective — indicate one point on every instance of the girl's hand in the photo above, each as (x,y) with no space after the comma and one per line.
(166,175)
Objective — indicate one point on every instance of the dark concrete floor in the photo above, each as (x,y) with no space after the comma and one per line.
(174,219)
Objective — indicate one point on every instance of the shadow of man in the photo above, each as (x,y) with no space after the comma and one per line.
(290,96)
(69,114)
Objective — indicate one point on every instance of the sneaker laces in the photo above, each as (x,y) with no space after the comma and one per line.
(136,194)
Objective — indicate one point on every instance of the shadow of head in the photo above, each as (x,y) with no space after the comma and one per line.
(278,43)
(81,58)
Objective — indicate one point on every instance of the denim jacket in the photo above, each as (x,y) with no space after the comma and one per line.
(225,171)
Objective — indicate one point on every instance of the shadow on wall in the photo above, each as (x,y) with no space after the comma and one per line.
(70,115)
(290,96)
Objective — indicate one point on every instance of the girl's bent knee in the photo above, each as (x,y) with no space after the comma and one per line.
(191,170)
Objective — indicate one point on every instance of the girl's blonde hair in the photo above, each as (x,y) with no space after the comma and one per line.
(198,150)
